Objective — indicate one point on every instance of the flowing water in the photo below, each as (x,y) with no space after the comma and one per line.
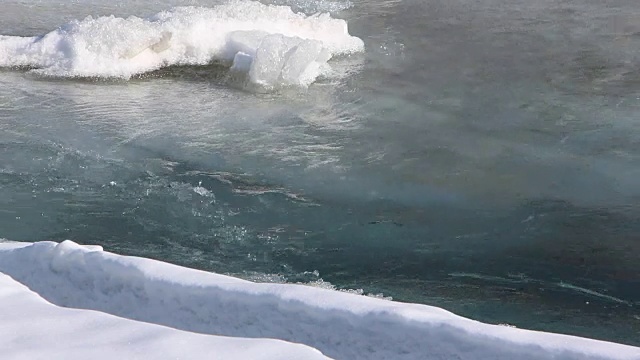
(481,156)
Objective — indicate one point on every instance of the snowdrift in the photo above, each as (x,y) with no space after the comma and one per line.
(32,328)
(340,325)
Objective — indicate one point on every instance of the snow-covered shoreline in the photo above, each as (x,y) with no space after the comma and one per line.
(44,277)
(33,328)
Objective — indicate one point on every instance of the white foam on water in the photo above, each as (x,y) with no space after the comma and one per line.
(272,44)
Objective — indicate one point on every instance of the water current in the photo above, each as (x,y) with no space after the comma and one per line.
(481,156)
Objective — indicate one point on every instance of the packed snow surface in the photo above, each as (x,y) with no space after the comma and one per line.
(33,328)
(340,325)
(272,44)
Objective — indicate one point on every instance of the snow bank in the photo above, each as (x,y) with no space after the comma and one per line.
(32,328)
(341,325)
(274,45)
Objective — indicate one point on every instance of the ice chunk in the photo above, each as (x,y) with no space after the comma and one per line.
(285,48)
(242,62)
(282,60)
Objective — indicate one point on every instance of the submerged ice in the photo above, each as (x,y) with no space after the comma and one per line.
(272,44)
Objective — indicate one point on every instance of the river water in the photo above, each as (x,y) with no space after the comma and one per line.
(481,156)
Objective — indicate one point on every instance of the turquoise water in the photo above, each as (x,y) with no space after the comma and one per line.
(479,156)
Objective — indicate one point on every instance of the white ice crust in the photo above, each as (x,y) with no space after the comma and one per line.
(187,302)
(273,44)
(32,328)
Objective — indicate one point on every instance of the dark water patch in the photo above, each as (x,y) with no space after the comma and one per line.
(573,265)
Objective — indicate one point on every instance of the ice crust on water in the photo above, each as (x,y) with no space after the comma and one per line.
(340,325)
(273,44)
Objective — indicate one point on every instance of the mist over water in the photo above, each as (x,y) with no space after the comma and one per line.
(479,156)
